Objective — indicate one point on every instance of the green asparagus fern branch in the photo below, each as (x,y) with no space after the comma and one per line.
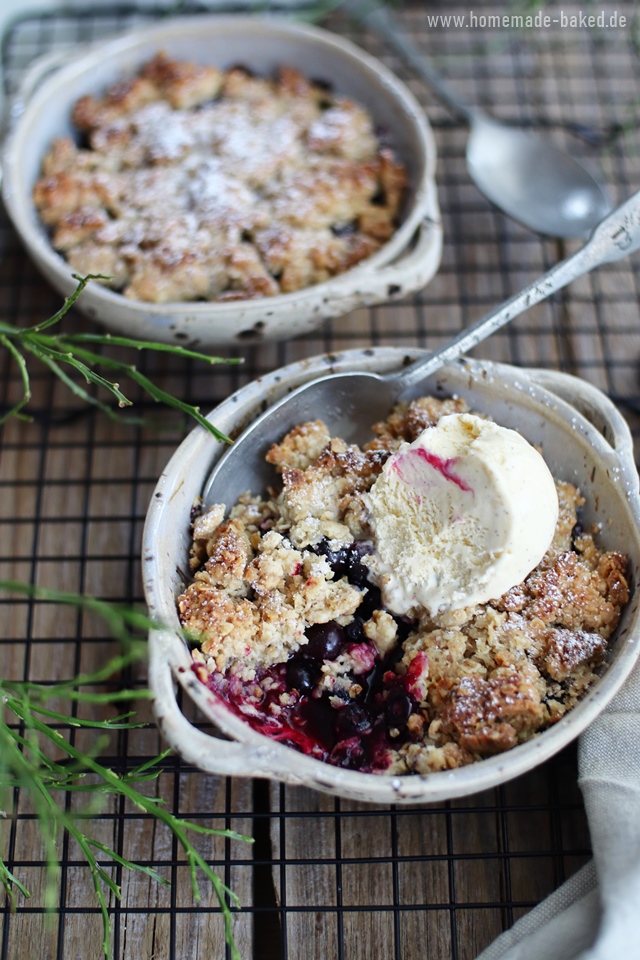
(62,352)
(29,741)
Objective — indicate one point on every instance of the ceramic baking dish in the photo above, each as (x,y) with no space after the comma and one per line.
(404,264)
(584,440)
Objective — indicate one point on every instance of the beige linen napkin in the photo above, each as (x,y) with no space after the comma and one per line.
(595,915)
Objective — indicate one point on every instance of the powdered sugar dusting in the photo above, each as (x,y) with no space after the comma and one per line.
(222,186)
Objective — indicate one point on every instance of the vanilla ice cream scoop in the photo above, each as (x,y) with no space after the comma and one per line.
(460,516)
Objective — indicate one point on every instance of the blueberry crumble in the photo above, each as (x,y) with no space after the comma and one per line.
(293,634)
(192,183)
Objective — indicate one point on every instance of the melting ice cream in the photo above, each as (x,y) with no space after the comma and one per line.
(460,516)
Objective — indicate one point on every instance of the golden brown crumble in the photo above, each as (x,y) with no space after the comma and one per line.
(481,679)
(199,184)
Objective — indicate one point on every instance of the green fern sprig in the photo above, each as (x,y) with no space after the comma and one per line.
(28,738)
(61,351)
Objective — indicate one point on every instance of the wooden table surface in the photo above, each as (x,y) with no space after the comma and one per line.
(324,878)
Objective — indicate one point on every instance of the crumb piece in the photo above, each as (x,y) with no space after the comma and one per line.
(382,630)
(489,716)
(568,593)
(317,596)
(228,550)
(120,99)
(226,624)
(183,84)
(300,447)
(428,758)
(276,561)
(407,420)
(564,650)
(206,524)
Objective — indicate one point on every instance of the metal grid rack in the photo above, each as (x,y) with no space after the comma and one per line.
(325,877)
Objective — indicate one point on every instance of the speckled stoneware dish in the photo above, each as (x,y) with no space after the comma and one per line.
(585,441)
(404,264)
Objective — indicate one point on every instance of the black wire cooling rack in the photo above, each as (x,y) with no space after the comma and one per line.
(325,877)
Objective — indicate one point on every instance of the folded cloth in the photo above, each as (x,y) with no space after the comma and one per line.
(595,915)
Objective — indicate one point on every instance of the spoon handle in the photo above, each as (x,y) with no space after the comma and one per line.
(380,19)
(615,237)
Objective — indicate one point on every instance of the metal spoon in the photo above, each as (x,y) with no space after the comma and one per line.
(350,402)
(529,179)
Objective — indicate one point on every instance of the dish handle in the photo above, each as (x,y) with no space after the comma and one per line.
(596,407)
(37,72)
(211,753)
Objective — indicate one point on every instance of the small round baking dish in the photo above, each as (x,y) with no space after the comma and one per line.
(403,265)
(584,440)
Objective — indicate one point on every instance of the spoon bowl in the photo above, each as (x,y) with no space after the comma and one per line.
(527,177)
(533,181)
(347,402)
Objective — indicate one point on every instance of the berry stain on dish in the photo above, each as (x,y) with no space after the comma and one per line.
(414,605)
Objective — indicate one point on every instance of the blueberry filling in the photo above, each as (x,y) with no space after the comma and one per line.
(397,708)
(326,641)
(353,724)
(354,631)
(302,675)
(344,229)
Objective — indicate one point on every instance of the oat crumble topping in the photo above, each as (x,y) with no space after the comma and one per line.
(198,184)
